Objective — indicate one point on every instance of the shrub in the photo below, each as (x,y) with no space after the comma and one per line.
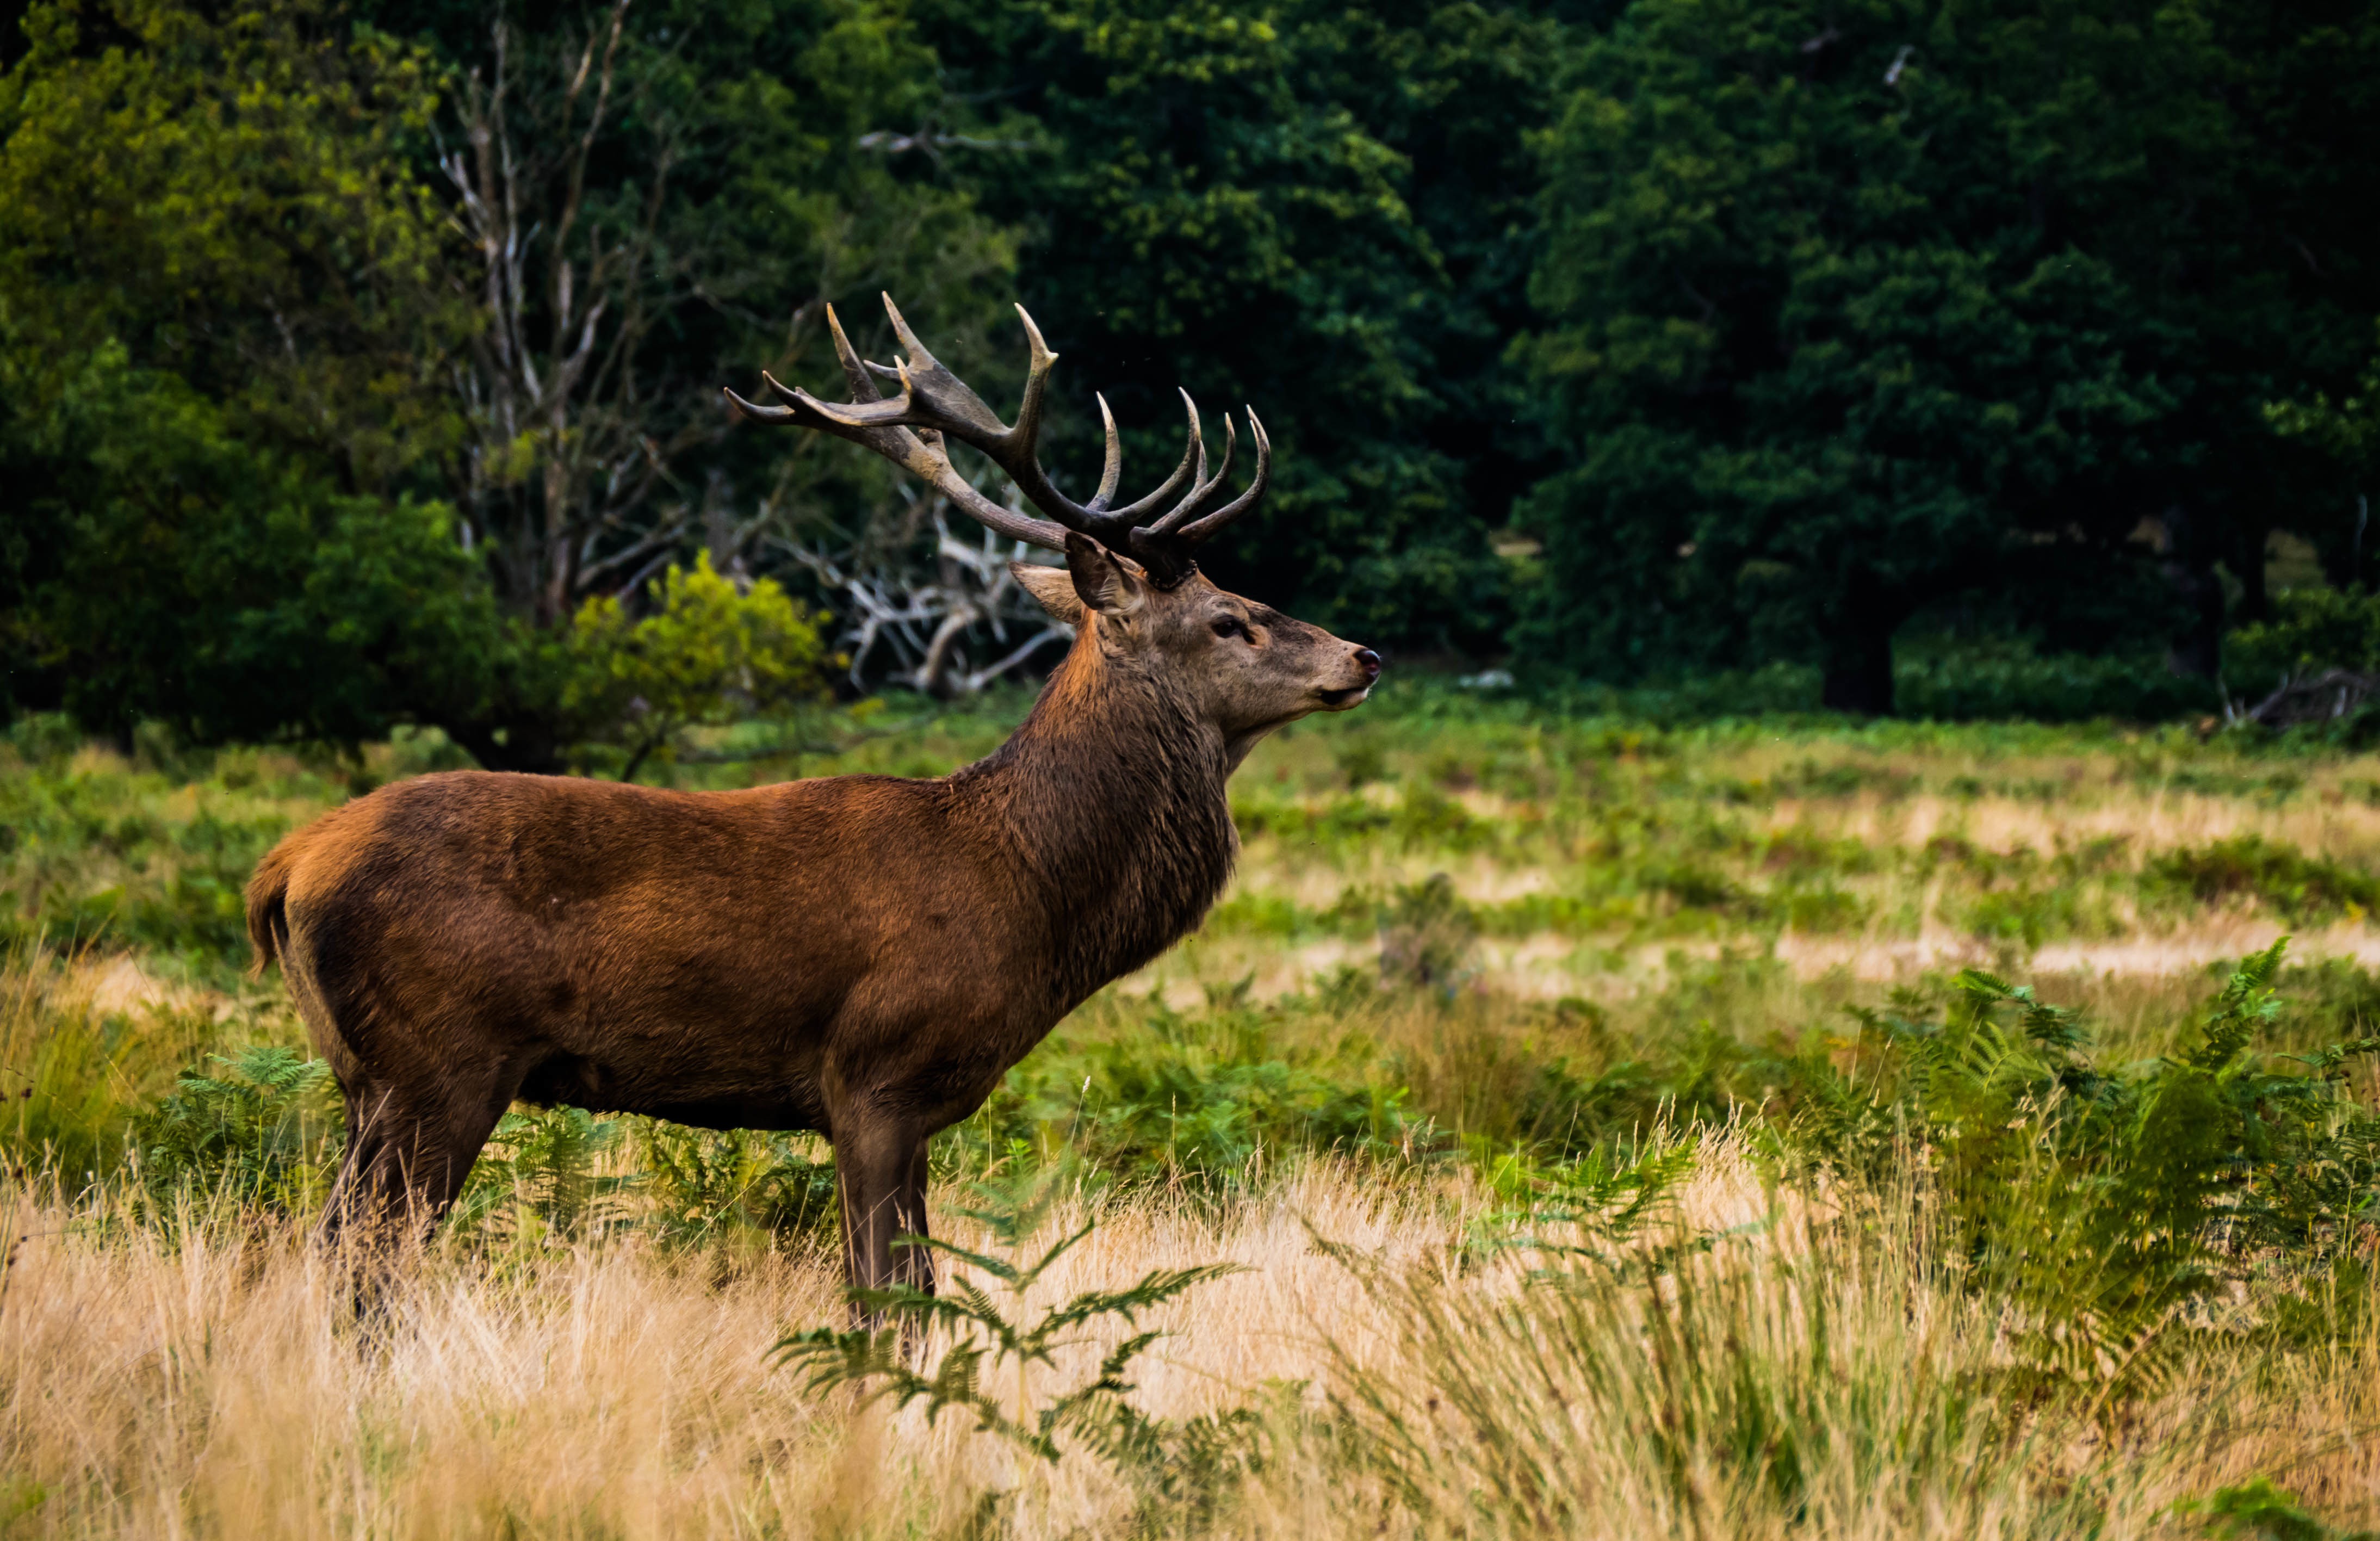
(2311,630)
(2103,1201)
(708,651)
(541,1173)
(2301,889)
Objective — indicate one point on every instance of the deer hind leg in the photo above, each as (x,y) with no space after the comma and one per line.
(410,1149)
(353,1204)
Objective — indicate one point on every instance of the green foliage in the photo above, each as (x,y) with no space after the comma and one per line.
(541,1176)
(2301,889)
(1319,210)
(1855,309)
(707,650)
(73,1079)
(221,379)
(2103,1201)
(2257,1510)
(1983,682)
(671,195)
(2347,429)
(250,496)
(1212,1103)
(705,1185)
(1593,1205)
(982,1339)
(104,855)
(255,1137)
(2309,631)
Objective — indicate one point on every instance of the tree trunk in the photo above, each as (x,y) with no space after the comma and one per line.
(524,745)
(1859,675)
(1859,652)
(2256,603)
(2196,650)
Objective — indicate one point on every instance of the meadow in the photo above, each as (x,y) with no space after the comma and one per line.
(1570,1122)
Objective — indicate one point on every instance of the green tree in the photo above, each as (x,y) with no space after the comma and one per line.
(1319,211)
(414,346)
(221,336)
(659,201)
(2348,431)
(1856,309)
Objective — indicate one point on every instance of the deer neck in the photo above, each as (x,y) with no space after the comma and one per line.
(1112,795)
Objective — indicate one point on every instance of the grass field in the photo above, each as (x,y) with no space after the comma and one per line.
(1748,1128)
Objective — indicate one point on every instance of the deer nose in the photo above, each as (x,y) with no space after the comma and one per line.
(1369,662)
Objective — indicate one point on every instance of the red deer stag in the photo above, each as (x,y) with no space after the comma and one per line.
(860,955)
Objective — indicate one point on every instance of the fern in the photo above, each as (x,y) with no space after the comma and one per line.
(541,1166)
(992,1344)
(260,1133)
(704,1183)
(1581,1209)
(2103,1203)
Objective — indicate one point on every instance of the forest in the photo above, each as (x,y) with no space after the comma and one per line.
(1992,359)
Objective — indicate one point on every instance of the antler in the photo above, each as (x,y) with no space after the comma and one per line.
(910,429)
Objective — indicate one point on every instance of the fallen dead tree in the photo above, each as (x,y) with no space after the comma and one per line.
(2320,697)
(945,631)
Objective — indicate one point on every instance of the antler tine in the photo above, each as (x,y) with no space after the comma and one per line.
(756,411)
(1191,535)
(884,427)
(1111,467)
(1204,490)
(1194,456)
(855,369)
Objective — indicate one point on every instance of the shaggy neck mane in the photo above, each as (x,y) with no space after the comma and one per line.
(1112,795)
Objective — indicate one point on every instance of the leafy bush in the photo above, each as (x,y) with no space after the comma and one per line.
(2103,1201)
(708,650)
(542,1175)
(1980,683)
(2311,630)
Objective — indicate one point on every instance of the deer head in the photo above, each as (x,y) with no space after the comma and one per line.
(1131,586)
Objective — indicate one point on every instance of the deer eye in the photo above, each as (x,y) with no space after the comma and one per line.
(1227,625)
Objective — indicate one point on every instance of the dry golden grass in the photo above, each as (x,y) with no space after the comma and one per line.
(1812,1372)
(219,1388)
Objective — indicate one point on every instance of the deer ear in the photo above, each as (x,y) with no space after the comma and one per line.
(1054,588)
(1104,580)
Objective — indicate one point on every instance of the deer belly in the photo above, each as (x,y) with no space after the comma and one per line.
(785,1101)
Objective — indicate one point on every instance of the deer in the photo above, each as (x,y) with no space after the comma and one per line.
(861,956)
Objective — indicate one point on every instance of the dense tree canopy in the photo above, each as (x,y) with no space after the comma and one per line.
(1857,308)
(382,342)
(221,327)
(1319,210)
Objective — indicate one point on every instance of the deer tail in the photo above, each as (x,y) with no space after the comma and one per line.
(268,905)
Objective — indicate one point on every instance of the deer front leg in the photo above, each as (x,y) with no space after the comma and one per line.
(916,1264)
(874,1159)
